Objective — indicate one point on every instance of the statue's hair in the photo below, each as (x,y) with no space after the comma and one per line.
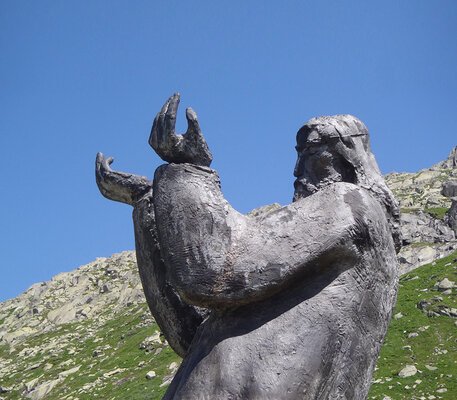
(348,136)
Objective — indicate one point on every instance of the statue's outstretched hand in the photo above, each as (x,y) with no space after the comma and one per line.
(190,147)
(102,165)
(119,186)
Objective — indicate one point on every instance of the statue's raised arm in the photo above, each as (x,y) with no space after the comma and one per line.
(177,319)
(297,301)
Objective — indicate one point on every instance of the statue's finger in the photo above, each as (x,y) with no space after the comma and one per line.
(99,158)
(162,133)
(153,139)
(193,127)
(98,162)
(170,115)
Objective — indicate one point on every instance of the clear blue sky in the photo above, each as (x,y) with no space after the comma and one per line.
(77,77)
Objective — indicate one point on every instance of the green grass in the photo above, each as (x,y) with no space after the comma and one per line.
(437,212)
(408,210)
(434,346)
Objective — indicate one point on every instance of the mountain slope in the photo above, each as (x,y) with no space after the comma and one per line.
(84,334)
(88,333)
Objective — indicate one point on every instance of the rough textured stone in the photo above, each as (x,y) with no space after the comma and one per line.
(295,301)
(408,370)
(449,189)
(413,256)
(42,390)
(445,284)
(451,161)
(420,227)
(451,216)
(150,375)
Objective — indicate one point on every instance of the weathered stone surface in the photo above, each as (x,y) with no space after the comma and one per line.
(266,282)
(64,374)
(450,162)
(451,216)
(423,189)
(409,370)
(420,227)
(42,390)
(445,284)
(413,256)
(188,148)
(150,375)
(449,189)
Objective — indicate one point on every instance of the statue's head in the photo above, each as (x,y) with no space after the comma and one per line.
(337,149)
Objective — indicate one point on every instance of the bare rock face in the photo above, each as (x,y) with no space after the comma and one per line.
(282,304)
(452,217)
(420,227)
(450,189)
(71,297)
(428,231)
(451,161)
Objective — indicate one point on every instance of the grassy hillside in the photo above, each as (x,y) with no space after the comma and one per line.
(108,357)
(425,338)
(87,362)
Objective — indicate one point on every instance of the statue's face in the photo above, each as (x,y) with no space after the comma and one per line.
(319,164)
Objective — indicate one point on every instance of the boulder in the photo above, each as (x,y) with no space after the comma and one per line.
(151,375)
(408,370)
(445,284)
(449,189)
(42,390)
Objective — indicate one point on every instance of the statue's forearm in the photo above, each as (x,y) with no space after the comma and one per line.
(177,320)
(218,257)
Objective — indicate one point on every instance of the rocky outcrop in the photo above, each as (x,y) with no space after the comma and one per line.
(421,227)
(452,217)
(420,190)
(417,254)
(450,189)
(450,162)
(72,297)
(428,213)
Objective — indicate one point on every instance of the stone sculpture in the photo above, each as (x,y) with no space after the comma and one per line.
(292,304)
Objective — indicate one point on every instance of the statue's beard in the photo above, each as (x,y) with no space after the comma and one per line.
(305,187)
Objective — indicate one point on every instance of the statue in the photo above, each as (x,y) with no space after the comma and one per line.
(292,304)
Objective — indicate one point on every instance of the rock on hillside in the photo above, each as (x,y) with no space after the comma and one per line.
(427,222)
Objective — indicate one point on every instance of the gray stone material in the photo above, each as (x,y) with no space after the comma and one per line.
(451,216)
(450,189)
(421,227)
(451,161)
(289,304)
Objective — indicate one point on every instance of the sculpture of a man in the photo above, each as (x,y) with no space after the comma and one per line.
(293,304)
